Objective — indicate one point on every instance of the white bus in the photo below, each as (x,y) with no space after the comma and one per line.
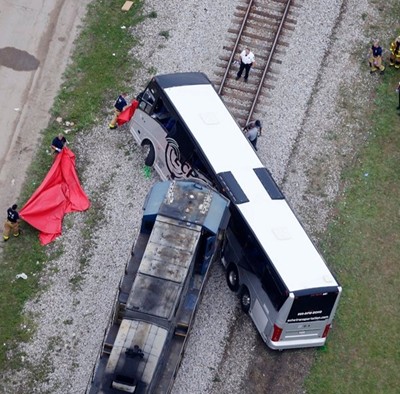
(280,277)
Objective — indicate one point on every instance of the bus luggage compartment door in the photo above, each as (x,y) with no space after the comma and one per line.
(259,316)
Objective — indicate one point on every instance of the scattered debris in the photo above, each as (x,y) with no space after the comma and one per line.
(21,276)
(127,6)
(147,172)
(59,119)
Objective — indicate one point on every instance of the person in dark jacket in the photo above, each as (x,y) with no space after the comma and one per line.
(119,106)
(11,223)
(58,143)
(375,58)
(252,131)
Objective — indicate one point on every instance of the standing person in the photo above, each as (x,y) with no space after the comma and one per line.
(394,59)
(11,224)
(252,131)
(119,106)
(58,143)
(246,62)
(375,58)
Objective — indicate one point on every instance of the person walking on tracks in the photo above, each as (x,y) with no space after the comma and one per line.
(246,62)
(119,105)
(252,131)
(11,223)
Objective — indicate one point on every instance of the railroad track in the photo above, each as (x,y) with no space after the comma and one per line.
(264,27)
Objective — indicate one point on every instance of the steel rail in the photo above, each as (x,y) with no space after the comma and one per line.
(246,15)
(266,68)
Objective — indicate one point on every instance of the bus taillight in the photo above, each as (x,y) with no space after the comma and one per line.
(276,335)
(325,333)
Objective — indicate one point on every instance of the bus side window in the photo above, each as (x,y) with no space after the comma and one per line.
(169,123)
(274,289)
(160,112)
(179,134)
(254,255)
(198,164)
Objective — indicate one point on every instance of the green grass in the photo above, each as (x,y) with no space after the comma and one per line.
(363,247)
(101,68)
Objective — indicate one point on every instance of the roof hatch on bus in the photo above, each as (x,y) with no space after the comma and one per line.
(232,188)
(209,118)
(269,184)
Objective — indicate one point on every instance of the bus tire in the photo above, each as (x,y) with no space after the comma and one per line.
(232,277)
(245,299)
(151,155)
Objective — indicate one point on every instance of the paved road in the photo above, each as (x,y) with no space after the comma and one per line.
(36,38)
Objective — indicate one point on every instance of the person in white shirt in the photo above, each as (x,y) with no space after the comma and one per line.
(246,62)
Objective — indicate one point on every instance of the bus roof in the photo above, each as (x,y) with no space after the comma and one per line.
(227,150)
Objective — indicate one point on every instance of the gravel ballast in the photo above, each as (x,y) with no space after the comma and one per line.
(305,145)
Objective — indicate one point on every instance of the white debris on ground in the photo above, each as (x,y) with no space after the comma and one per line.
(302,124)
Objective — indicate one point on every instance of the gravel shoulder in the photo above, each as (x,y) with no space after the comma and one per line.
(312,131)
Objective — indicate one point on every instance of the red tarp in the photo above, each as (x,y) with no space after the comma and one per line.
(59,193)
(127,113)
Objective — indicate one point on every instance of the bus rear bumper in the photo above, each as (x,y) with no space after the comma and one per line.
(296,344)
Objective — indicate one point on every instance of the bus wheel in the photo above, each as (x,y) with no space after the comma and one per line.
(151,154)
(232,277)
(245,300)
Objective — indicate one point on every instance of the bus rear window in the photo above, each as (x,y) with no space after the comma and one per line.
(312,307)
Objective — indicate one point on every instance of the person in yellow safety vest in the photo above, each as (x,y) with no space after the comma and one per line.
(394,59)
(375,58)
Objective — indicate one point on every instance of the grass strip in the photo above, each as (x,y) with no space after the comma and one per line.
(363,246)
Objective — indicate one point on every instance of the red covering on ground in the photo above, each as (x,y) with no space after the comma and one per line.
(127,113)
(59,193)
